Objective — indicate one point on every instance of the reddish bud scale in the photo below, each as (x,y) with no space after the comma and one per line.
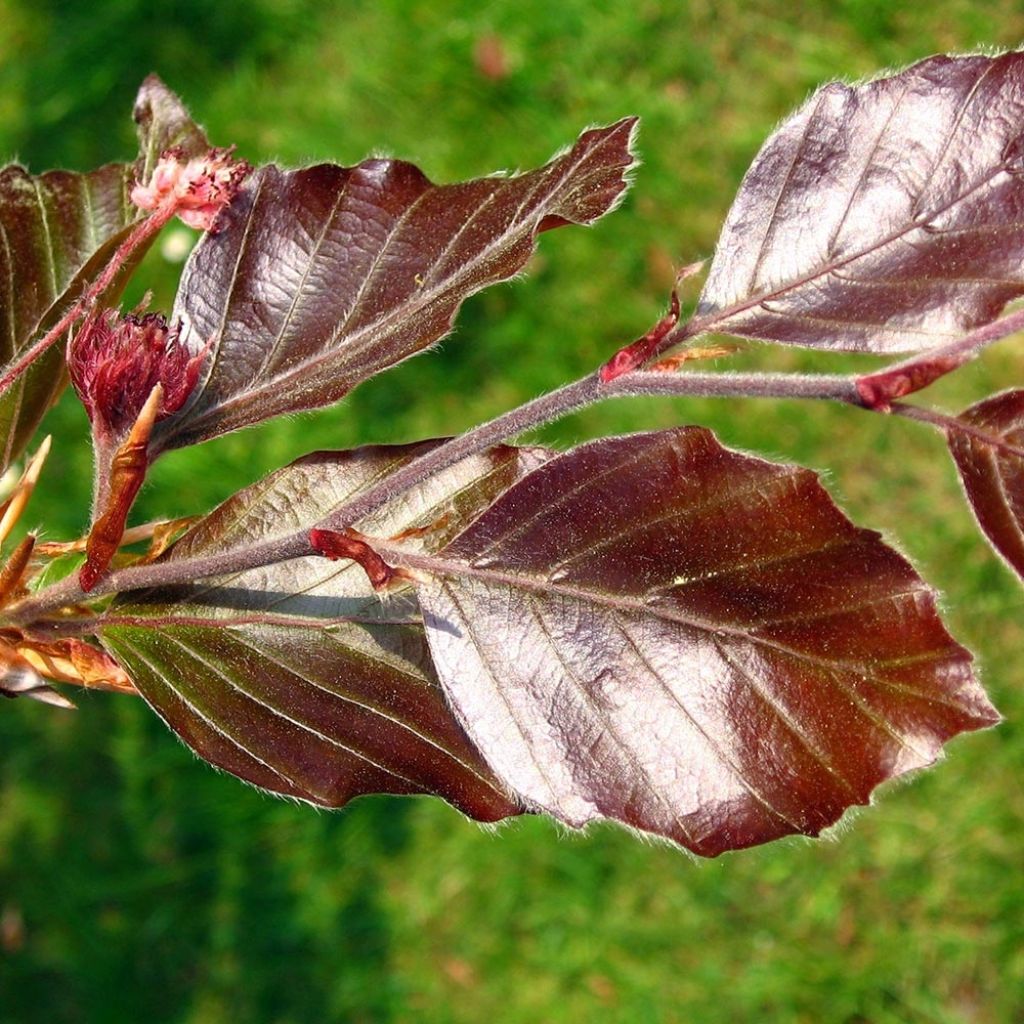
(879,390)
(127,472)
(634,355)
(334,545)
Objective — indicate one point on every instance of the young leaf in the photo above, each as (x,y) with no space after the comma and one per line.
(163,123)
(883,217)
(57,232)
(296,677)
(695,642)
(322,277)
(993,472)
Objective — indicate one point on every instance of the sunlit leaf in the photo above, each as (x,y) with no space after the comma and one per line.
(992,471)
(322,277)
(884,217)
(657,630)
(298,677)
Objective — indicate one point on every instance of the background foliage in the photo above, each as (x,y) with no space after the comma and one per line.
(137,884)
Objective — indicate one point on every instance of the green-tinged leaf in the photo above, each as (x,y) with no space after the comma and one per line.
(298,677)
(57,232)
(319,278)
(692,641)
(990,457)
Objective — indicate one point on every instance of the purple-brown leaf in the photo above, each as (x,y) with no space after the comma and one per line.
(692,641)
(57,231)
(990,458)
(883,217)
(297,676)
(322,277)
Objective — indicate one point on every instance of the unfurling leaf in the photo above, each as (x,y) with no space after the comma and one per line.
(319,278)
(883,217)
(992,471)
(163,123)
(657,630)
(297,676)
(57,232)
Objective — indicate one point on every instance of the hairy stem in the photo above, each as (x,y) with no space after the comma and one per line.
(879,389)
(949,424)
(546,409)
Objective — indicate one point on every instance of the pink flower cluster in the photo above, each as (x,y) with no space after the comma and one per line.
(198,189)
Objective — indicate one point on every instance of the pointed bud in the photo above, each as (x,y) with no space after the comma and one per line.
(634,355)
(197,189)
(356,546)
(116,361)
(125,472)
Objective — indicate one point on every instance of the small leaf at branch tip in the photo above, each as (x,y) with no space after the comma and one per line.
(989,457)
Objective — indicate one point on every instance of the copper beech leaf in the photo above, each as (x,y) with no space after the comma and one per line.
(992,471)
(321,277)
(695,642)
(297,677)
(57,232)
(884,217)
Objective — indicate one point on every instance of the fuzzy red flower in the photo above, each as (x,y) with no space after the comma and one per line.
(115,362)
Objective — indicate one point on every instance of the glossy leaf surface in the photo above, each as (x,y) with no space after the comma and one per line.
(695,642)
(324,276)
(881,218)
(57,231)
(993,473)
(298,677)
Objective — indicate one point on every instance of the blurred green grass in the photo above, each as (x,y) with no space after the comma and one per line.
(148,887)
